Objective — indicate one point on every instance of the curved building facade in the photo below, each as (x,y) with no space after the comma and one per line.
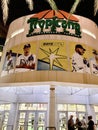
(50,64)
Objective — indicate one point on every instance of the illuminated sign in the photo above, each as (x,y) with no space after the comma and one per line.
(53,25)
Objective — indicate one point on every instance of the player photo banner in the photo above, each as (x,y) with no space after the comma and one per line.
(51,55)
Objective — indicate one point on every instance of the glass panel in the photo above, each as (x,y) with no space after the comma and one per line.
(23,106)
(2,107)
(32,106)
(4,127)
(21,128)
(30,128)
(81,115)
(62,121)
(7,107)
(96,108)
(74,115)
(26,106)
(22,118)
(62,107)
(42,106)
(5,121)
(31,120)
(41,121)
(0,116)
(71,107)
(81,108)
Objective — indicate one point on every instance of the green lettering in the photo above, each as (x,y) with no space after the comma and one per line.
(41,24)
(48,23)
(33,23)
(77,29)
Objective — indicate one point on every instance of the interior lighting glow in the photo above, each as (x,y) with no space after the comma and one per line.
(17,32)
(89,33)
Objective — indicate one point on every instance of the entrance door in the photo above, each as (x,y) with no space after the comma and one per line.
(4,120)
(32,120)
(96,121)
(62,121)
(74,115)
(81,114)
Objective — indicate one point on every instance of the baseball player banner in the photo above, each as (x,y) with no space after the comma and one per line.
(83,58)
(52,55)
(59,55)
(26,59)
(9,62)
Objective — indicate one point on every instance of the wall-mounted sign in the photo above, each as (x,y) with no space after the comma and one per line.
(52,22)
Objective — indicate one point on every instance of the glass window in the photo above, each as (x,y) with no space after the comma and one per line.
(23,106)
(81,108)
(27,106)
(62,107)
(2,107)
(42,106)
(71,107)
(5,107)
(96,108)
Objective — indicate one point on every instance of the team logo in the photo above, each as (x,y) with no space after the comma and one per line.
(54,22)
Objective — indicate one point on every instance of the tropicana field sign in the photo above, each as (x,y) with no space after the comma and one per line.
(51,22)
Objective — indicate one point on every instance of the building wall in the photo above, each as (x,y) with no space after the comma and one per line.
(17,40)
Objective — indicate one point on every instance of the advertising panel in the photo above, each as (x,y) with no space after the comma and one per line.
(58,55)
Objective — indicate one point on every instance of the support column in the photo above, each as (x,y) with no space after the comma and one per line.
(16,116)
(52,106)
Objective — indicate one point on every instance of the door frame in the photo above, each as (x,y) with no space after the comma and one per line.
(27,117)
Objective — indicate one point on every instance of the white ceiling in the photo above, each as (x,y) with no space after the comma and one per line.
(44,89)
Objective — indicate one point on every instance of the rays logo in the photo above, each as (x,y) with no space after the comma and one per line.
(52,22)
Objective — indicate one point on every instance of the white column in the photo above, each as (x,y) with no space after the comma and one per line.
(16,117)
(12,114)
(52,107)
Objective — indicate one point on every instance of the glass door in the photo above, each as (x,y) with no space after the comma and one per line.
(74,115)
(31,120)
(81,115)
(1,120)
(4,120)
(36,120)
(21,121)
(41,120)
(96,121)
(62,121)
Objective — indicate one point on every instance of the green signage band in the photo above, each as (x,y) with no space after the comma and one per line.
(49,26)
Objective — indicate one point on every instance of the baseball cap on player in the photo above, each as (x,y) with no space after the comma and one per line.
(95,52)
(27,46)
(80,46)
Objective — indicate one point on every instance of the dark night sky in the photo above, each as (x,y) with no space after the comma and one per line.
(18,8)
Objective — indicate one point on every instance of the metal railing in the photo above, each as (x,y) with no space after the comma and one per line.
(50,128)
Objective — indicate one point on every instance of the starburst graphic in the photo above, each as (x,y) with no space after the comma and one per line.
(53,57)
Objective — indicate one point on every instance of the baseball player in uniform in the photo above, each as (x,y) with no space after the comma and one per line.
(27,60)
(94,63)
(79,64)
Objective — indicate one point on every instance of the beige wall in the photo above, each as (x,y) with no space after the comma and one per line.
(43,76)
(48,76)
